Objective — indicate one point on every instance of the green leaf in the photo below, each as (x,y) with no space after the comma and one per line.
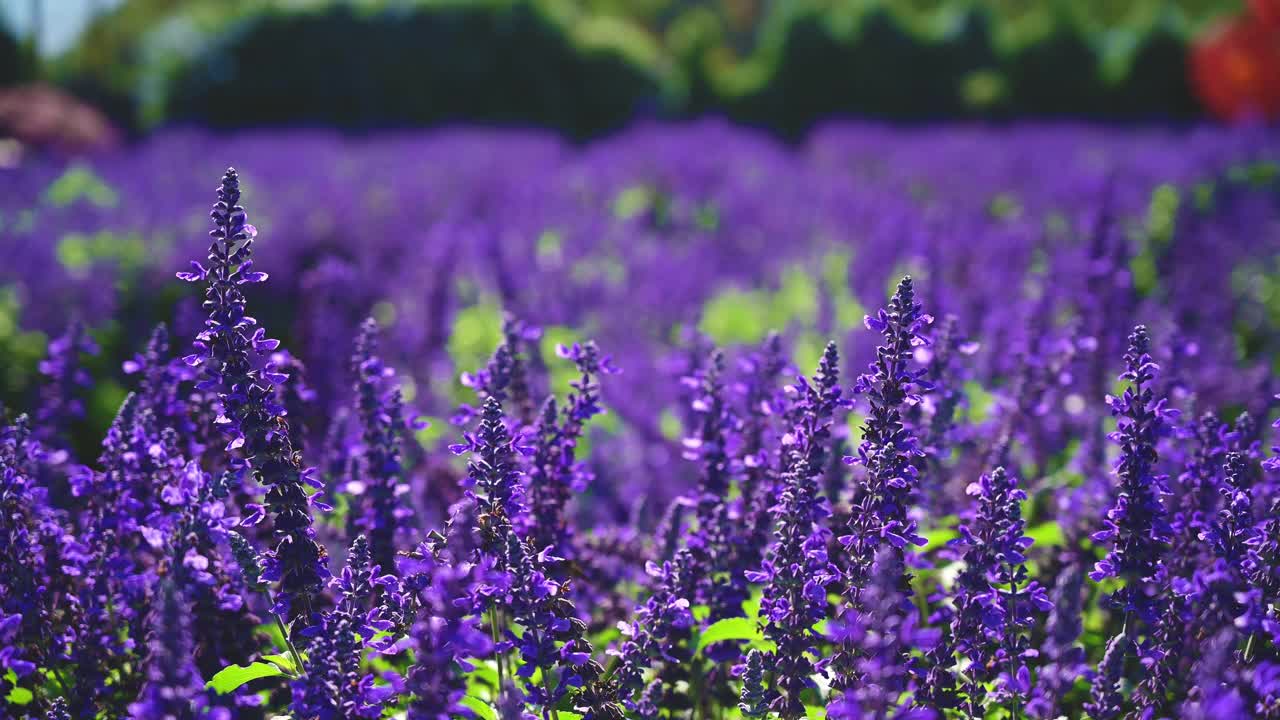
(233,676)
(938,537)
(479,707)
(1047,534)
(813,712)
(700,612)
(731,629)
(485,675)
(20,696)
(283,661)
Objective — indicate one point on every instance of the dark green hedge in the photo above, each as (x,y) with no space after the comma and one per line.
(886,72)
(507,63)
(11,57)
(493,65)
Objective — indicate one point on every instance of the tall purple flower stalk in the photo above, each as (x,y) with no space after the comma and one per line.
(996,604)
(334,686)
(1063,656)
(555,471)
(173,689)
(1136,528)
(711,544)
(251,416)
(446,637)
(796,574)
(66,382)
(888,453)
(380,410)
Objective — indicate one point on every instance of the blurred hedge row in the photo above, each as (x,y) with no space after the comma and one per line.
(587,66)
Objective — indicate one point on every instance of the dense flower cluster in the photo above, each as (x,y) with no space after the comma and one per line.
(970,556)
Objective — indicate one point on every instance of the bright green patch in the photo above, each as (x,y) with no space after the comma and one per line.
(981,402)
(477,332)
(429,436)
(669,425)
(1047,534)
(1005,206)
(77,251)
(80,182)
(549,249)
(384,313)
(233,676)
(807,350)
(19,696)
(737,317)
(745,629)
(836,269)
(481,708)
(938,537)
(633,201)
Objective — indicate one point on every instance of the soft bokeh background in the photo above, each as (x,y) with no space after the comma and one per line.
(586,67)
(658,174)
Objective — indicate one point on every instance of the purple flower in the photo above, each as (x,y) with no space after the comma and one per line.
(446,638)
(173,689)
(1136,528)
(66,383)
(251,416)
(796,574)
(380,411)
(995,602)
(1106,699)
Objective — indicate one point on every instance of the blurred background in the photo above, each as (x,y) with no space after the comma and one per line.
(660,175)
(83,73)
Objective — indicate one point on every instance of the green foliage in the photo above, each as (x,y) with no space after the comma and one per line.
(584,66)
(482,709)
(980,401)
(233,676)
(938,537)
(739,628)
(1047,534)
(19,696)
(492,62)
(80,183)
(745,317)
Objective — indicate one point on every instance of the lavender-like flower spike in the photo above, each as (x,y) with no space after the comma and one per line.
(382,417)
(159,379)
(710,545)
(516,334)
(885,633)
(66,381)
(662,633)
(26,595)
(173,688)
(58,710)
(889,451)
(1106,701)
(755,699)
(494,477)
(251,416)
(1137,527)
(1065,658)
(248,559)
(555,473)
(446,634)
(333,685)
(995,605)
(797,573)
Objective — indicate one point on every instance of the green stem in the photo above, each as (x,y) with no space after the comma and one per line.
(493,629)
(284,633)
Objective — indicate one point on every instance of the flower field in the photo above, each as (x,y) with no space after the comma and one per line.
(943,422)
